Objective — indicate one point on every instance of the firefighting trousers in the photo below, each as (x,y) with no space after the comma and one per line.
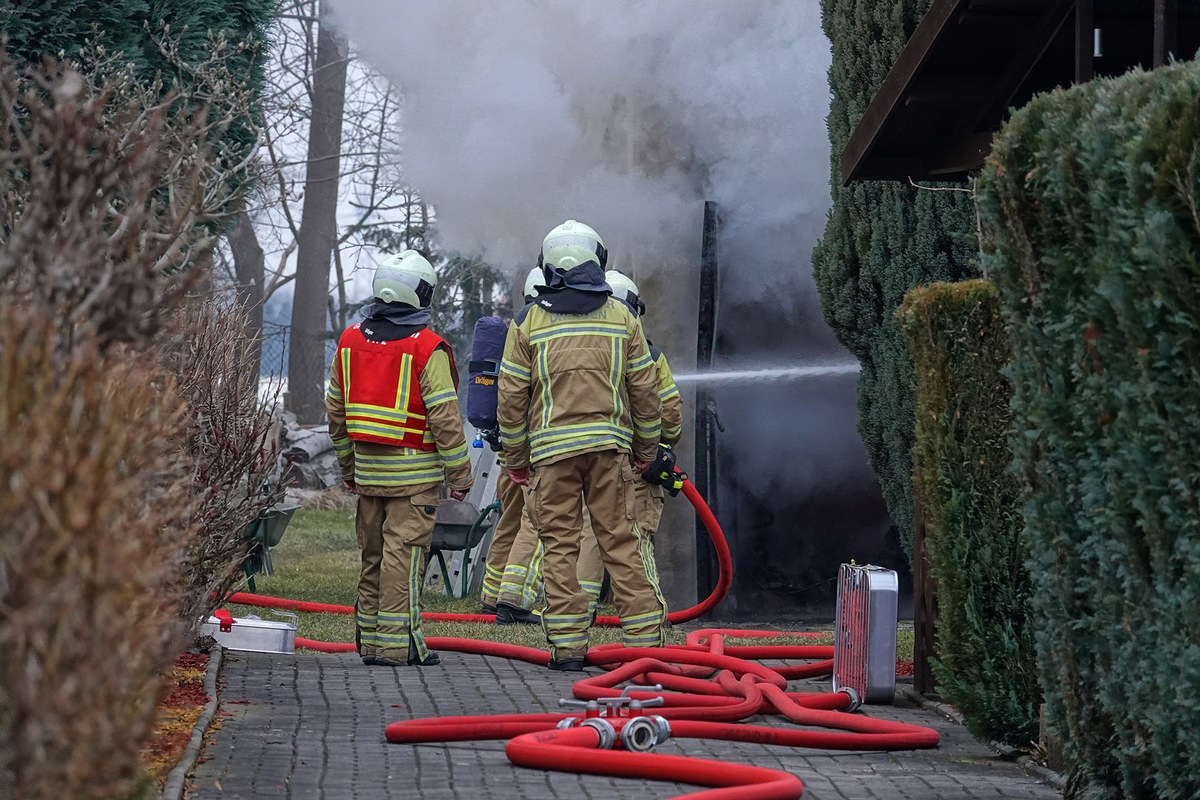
(649,511)
(605,482)
(512,501)
(522,580)
(394,535)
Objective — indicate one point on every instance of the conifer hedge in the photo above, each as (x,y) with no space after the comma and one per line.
(882,239)
(962,476)
(1090,200)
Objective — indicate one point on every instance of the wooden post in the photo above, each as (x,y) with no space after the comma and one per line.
(924,607)
(1166,30)
(706,445)
(1085,41)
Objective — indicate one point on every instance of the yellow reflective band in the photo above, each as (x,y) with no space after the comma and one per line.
(439,399)
(514,370)
(381,412)
(640,364)
(559,432)
(667,394)
(647,429)
(573,445)
(641,619)
(580,328)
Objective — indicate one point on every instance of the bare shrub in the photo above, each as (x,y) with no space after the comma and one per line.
(228,440)
(112,470)
(96,513)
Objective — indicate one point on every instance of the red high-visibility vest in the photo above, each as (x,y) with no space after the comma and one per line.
(380,383)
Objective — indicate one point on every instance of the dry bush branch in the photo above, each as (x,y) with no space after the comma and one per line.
(123,489)
(228,442)
(96,517)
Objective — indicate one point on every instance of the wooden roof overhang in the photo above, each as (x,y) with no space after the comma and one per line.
(970,61)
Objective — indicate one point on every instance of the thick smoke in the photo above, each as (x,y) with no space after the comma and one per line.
(622,113)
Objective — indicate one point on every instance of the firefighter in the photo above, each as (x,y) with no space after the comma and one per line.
(396,429)
(512,572)
(579,413)
(650,497)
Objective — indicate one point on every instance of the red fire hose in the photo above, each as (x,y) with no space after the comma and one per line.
(724,580)
(706,688)
(691,708)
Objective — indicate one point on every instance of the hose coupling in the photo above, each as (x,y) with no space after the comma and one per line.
(639,735)
(855,700)
(604,729)
(568,722)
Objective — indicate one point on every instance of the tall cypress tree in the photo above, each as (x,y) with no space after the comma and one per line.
(133,30)
(882,239)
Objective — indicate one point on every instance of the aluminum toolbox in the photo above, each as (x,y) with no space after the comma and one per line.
(254,634)
(864,644)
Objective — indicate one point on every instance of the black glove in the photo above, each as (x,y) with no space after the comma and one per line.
(663,472)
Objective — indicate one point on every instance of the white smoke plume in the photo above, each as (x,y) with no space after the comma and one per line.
(625,114)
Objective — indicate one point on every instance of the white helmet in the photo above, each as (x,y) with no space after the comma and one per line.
(625,290)
(405,278)
(570,245)
(532,281)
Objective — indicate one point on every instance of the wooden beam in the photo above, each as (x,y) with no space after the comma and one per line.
(1085,28)
(865,135)
(1166,30)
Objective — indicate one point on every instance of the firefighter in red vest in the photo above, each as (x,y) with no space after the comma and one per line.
(397,431)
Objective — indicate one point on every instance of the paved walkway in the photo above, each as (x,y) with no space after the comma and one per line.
(311,726)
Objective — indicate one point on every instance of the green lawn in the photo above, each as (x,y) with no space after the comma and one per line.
(318,561)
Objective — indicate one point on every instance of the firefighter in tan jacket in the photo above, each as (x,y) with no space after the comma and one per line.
(396,429)
(513,568)
(579,403)
(650,497)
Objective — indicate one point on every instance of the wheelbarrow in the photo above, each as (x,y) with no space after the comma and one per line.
(459,526)
(264,533)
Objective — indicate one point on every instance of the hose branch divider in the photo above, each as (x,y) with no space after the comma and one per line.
(698,690)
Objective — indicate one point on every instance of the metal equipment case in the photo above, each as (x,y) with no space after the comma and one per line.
(864,645)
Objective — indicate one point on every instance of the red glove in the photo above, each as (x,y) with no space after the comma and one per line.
(519,476)
(350,487)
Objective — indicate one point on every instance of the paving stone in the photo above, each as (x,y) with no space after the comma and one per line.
(311,726)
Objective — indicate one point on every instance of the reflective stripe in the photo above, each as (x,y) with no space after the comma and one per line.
(416,565)
(381,412)
(638,620)
(577,444)
(514,370)
(342,446)
(582,429)
(580,328)
(667,394)
(640,363)
(439,398)
(647,429)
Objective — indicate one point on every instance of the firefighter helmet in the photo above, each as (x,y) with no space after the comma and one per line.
(407,278)
(625,290)
(532,281)
(570,245)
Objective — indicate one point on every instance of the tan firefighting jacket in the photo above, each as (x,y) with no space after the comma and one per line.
(381,470)
(672,402)
(577,383)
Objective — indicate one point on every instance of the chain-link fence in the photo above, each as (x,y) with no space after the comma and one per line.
(276,352)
